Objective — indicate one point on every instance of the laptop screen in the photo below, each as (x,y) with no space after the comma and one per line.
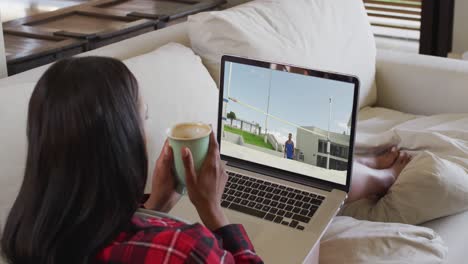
(288,118)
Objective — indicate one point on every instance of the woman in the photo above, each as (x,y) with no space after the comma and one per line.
(85,175)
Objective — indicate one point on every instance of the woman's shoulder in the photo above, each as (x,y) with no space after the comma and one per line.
(143,220)
(151,239)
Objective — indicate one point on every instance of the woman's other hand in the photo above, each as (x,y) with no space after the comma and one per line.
(163,195)
(206,188)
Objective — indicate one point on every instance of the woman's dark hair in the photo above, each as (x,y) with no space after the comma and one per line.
(86,165)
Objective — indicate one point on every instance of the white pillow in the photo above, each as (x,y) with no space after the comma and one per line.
(319,34)
(177,88)
(14,102)
(351,241)
(428,188)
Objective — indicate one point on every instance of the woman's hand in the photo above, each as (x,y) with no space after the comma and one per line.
(206,188)
(163,195)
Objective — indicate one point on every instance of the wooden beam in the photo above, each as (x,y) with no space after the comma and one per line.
(436,27)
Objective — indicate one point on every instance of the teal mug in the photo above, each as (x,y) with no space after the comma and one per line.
(194,136)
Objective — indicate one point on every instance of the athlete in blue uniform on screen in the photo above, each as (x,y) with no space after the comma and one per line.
(289,148)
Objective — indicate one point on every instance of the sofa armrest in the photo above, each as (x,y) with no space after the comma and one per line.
(422,85)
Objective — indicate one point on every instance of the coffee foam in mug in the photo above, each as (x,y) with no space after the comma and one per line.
(189,131)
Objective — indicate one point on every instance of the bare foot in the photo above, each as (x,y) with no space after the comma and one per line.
(381,161)
(401,162)
(387,177)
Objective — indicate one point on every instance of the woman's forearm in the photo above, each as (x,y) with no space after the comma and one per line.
(236,241)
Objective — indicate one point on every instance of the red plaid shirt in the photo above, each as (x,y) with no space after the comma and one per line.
(162,240)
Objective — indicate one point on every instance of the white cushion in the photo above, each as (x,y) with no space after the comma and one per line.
(435,183)
(429,187)
(379,126)
(319,34)
(14,102)
(453,230)
(177,88)
(354,242)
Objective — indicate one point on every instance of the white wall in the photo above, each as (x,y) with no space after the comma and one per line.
(460,28)
(3,67)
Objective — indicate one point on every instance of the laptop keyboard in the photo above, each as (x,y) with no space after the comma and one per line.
(270,201)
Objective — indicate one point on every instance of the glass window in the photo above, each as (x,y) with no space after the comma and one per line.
(338,165)
(321,161)
(322,147)
(339,151)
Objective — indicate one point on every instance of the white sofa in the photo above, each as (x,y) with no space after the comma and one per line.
(408,83)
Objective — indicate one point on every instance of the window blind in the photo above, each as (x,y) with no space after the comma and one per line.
(395,18)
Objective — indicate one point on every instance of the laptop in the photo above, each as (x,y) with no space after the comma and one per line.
(286,134)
